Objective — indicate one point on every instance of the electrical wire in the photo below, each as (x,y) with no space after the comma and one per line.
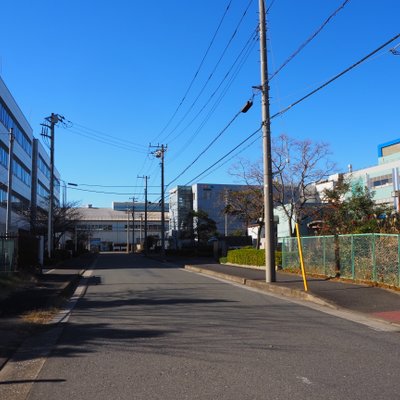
(107,142)
(238,63)
(207,147)
(109,186)
(226,155)
(105,138)
(231,158)
(313,36)
(299,101)
(197,71)
(211,74)
(336,77)
(110,193)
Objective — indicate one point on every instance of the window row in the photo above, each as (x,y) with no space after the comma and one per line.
(381,180)
(42,165)
(3,155)
(21,172)
(43,191)
(9,122)
(109,227)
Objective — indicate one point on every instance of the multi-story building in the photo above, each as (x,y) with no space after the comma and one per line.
(210,198)
(382,179)
(30,164)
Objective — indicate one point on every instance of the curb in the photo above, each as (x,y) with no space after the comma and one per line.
(62,292)
(264,286)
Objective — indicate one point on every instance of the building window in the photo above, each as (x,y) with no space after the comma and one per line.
(43,191)
(42,165)
(3,156)
(21,172)
(381,180)
(9,122)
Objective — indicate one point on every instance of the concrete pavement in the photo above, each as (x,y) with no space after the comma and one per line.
(45,294)
(54,284)
(373,301)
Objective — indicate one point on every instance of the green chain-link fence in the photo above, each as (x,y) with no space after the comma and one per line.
(369,257)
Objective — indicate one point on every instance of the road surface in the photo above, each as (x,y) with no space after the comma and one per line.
(147,331)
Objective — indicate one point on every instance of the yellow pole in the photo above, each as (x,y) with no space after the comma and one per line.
(303,271)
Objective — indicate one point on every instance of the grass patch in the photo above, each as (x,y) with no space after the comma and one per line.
(40,317)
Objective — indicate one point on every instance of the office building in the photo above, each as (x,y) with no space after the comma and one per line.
(30,165)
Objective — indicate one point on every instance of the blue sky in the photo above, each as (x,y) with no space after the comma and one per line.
(119,70)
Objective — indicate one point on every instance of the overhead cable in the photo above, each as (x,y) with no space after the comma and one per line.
(235,67)
(336,76)
(197,71)
(212,72)
(313,36)
(226,155)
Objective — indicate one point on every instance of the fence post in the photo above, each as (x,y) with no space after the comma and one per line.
(398,257)
(353,272)
(374,277)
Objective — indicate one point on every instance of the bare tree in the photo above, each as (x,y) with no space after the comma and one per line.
(65,219)
(248,204)
(297,166)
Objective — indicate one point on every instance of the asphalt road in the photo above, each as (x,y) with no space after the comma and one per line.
(147,331)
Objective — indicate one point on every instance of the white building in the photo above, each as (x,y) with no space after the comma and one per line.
(31,172)
(106,229)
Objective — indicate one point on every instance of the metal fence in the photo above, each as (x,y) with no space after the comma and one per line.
(369,257)
(8,254)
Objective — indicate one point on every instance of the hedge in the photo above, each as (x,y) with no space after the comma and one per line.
(251,257)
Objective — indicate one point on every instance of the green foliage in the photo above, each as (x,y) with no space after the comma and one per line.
(246,257)
(204,226)
(354,213)
(250,256)
(278,258)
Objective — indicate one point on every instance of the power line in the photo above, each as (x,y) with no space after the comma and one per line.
(299,101)
(313,36)
(226,155)
(209,145)
(240,60)
(111,186)
(336,77)
(197,71)
(110,193)
(212,72)
(104,138)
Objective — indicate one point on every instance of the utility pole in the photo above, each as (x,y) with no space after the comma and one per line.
(145,211)
(52,120)
(10,177)
(159,153)
(270,275)
(133,224)
(127,229)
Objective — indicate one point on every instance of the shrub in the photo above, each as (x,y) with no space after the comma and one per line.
(250,256)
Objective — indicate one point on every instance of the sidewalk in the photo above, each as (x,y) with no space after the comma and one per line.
(47,292)
(373,301)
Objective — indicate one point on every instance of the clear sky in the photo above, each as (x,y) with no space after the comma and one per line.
(119,71)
